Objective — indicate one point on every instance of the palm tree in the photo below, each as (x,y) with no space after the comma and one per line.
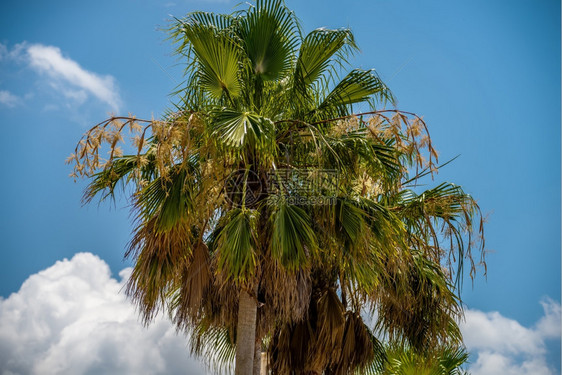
(269,215)
(445,360)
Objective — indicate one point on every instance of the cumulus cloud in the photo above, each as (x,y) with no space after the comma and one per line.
(72,318)
(49,60)
(550,324)
(500,345)
(8,99)
(63,74)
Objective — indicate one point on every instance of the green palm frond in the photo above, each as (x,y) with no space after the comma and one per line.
(444,201)
(270,36)
(239,128)
(439,217)
(358,86)
(293,241)
(451,359)
(236,247)
(168,199)
(217,58)
(317,50)
(381,159)
(214,20)
(215,345)
(380,218)
(106,181)
(403,360)
(350,220)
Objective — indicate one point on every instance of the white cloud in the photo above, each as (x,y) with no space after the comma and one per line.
(64,75)
(494,363)
(550,324)
(504,346)
(65,71)
(9,99)
(16,54)
(72,318)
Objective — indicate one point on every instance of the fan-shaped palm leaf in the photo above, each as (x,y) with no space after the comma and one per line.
(358,86)
(269,34)
(317,50)
(239,128)
(293,241)
(237,243)
(217,56)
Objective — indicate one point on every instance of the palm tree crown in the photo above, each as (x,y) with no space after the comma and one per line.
(267,213)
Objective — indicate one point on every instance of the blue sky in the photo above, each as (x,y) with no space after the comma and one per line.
(485,76)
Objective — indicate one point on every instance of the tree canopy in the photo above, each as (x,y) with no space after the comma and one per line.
(265,191)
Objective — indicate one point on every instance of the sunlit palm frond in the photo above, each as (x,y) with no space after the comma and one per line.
(239,128)
(214,20)
(317,50)
(403,360)
(381,160)
(358,86)
(269,34)
(216,58)
(452,359)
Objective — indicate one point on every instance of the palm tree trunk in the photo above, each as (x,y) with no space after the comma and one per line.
(257,359)
(263,364)
(246,334)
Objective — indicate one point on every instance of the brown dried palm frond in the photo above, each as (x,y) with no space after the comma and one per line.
(196,279)
(286,293)
(158,257)
(331,341)
(357,349)
(418,305)
(329,331)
